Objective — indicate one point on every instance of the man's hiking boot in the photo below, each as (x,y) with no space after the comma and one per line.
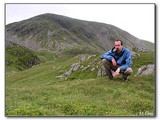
(110,77)
(125,77)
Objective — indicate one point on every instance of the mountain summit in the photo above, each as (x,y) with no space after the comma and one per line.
(63,34)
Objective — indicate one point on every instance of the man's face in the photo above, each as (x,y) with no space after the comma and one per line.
(118,46)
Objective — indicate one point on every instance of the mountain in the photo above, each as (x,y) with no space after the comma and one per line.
(61,34)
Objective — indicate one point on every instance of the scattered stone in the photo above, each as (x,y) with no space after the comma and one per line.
(97,67)
(75,66)
(67,73)
(85,68)
(81,66)
(93,69)
(134,54)
(61,77)
(82,59)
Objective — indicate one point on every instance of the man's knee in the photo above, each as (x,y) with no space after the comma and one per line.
(105,61)
(105,64)
(128,71)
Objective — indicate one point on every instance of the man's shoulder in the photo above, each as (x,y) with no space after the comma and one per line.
(126,49)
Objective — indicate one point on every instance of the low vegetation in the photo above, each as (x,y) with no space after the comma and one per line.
(38,92)
(19,58)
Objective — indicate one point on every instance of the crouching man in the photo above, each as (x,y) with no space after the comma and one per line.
(118,60)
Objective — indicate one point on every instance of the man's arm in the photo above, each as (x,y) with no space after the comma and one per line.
(108,55)
(125,66)
(116,73)
(128,62)
(114,62)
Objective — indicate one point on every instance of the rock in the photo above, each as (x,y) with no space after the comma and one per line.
(97,67)
(81,66)
(143,50)
(85,68)
(134,54)
(145,70)
(82,59)
(88,57)
(93,69)
(101,72)
(75,66)
(67,73)
(61,77)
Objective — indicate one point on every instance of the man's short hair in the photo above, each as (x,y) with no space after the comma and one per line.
(119,40)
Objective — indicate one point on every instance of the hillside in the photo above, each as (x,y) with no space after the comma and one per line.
(150,45)
(59,34)
(18,58)
(39,92)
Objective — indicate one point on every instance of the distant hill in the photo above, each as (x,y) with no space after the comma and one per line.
(19,58)
(62,34)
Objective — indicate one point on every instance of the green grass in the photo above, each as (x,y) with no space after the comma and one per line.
(37,91)
(18,58)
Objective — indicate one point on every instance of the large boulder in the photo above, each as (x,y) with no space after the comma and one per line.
(145,70)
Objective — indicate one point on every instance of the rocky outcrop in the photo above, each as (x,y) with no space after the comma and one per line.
(145,70)
(94,65)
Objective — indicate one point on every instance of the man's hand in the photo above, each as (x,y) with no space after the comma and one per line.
(114,62)
(116,73)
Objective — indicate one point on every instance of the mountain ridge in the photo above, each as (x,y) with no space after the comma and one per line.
(59,33)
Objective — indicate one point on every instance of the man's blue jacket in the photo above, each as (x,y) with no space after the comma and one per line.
(123,58)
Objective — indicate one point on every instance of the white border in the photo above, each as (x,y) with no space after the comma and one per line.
(2,66)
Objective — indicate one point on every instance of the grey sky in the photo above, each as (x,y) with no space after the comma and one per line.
(137,19)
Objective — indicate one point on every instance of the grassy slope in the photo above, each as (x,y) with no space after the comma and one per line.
(18,58)
(150,45)
(37,92)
